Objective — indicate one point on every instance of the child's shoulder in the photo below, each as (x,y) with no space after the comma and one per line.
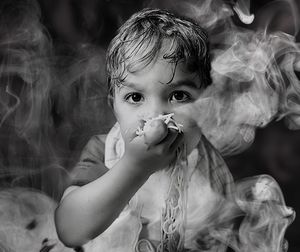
(97,140)
(102,138)
(95,148)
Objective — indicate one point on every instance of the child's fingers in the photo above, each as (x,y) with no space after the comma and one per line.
(170,138)
(130,133)
(155,132)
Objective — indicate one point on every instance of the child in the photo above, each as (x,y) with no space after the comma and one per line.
(154,183)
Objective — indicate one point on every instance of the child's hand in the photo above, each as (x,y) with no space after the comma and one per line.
(155,149)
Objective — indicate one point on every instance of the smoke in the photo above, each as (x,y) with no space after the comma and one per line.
(242,9)
(50,96)
(267,216)
(254,82)
(254,70)
(27,222)
(24,90)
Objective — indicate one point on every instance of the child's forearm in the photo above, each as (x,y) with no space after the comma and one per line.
(89,210)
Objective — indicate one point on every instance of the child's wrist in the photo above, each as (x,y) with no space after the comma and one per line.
(135,167)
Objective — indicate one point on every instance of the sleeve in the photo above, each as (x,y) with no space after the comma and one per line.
(91,163)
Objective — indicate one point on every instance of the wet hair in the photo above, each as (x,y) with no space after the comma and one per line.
(140,39)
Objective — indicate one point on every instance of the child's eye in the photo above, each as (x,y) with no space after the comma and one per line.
(180,96)
(134,98)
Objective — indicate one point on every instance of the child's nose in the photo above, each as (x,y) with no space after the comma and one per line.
(157,108)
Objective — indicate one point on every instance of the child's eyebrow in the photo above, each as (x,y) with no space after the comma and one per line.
(130,85)
(188,83)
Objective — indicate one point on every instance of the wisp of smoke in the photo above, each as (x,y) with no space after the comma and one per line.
(254,82)
(47,100)
(27,222)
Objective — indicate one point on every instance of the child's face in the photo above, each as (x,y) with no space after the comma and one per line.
(157,89)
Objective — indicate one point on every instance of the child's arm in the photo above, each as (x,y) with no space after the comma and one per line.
(87,211)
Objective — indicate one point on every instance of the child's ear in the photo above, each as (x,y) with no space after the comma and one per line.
(110,101)
(110,96)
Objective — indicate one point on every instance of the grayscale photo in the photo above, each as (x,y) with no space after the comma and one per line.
(149,125)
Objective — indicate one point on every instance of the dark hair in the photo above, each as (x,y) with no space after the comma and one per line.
(143,35)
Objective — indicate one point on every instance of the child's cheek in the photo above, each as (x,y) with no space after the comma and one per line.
(128,127)
(192,138)
(187,122)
